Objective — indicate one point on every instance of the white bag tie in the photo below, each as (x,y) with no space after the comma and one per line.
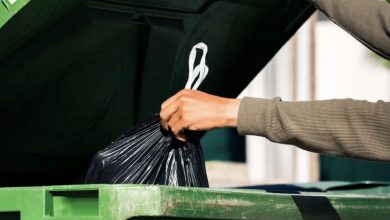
(198,73)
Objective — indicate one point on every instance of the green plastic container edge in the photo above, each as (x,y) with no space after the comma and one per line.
(166,202)
(8,8)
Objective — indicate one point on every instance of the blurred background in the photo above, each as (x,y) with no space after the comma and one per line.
(321,61)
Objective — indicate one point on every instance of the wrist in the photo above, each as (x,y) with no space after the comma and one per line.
(231,113)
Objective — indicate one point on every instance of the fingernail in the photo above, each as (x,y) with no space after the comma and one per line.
(164,127)
(181,139)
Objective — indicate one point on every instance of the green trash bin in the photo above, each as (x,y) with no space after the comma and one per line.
(75,74)
(125,202)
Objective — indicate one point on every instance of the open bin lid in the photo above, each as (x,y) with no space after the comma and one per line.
(75,74)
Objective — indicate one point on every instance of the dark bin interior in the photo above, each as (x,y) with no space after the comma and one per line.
(75,74)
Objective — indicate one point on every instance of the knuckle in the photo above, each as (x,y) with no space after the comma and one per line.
(187,109)
(184,117)
(186,122)
(183,92)
(192,128)
(181,100)
(185,98)
(181,111)
(162,116)
(175,131)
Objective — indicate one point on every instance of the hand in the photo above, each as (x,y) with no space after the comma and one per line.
(197,111)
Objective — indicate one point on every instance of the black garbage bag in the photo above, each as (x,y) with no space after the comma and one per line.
(146,154)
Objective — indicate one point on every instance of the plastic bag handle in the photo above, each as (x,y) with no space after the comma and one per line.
(200,72)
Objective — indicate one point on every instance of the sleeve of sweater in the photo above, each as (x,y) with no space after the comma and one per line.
(344,127)
(366,20)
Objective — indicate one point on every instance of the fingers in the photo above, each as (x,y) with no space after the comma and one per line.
(173,98)
(178,129)
(175,118)
(176,125)
(171,105)
(168,112)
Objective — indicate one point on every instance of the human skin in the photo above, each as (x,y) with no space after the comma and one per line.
(197,111)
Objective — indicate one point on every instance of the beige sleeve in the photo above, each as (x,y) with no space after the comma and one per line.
(366,20)
(346,127)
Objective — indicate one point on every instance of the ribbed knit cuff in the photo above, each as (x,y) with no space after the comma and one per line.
(252,115)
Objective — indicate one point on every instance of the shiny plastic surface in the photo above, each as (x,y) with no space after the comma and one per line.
(146,154)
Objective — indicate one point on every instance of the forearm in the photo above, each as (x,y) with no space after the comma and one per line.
(350,128)
(366,20)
